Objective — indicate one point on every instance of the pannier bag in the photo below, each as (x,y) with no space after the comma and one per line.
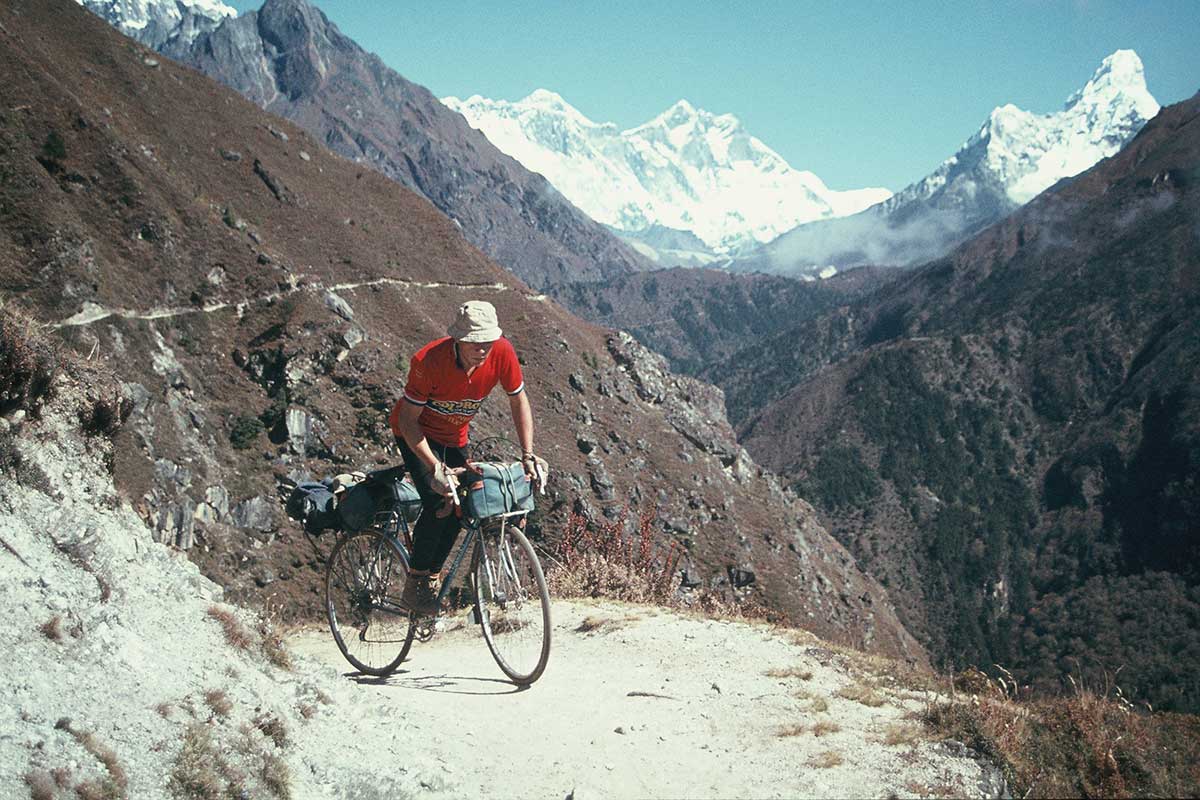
(314,506)
(497,489)
(381,492)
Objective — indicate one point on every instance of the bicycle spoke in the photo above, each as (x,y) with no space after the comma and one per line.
(367,630)
(512,604)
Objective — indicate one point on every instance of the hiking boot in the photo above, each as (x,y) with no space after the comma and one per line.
(420,595)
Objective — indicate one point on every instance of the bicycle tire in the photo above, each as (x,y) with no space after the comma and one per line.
(363,571)
(512,604)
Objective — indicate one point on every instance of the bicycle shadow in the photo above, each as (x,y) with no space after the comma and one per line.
(444,684)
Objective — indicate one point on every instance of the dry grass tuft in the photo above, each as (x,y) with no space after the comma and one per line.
(115,784)
(206,769)
(218,701)
(195,773)
(236,634)
(861,693)
(41,785)
(825,760)
(825,727)
(1083,745)
(902,733)
(789,672)
(273,727)
(273,646)
(163,710)
(790,730)
(591,624)
(308,710)
(52,628)
(603,560)
(819,705)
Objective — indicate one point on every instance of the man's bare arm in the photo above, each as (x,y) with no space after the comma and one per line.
(522,416)
(410,429)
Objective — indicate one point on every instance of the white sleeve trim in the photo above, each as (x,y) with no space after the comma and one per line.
(415,402)
(518,390)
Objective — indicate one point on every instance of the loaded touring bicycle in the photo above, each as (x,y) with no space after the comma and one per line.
(367,569)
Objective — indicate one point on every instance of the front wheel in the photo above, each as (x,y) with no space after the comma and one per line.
(512,604)
(363,583)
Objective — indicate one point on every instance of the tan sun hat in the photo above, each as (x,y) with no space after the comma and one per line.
(475,322)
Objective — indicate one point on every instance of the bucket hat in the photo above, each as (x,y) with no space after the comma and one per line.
(475,322)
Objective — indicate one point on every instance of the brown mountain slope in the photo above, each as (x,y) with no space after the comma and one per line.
(260,297)
(1010,437)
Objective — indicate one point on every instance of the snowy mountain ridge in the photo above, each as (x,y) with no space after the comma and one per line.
(685,170)
(155,22)
(1026,153)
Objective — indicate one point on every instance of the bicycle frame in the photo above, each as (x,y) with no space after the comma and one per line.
(397,534)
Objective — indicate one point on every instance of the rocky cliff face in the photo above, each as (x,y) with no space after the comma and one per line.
(260,298)
(1009,437)
(288,58)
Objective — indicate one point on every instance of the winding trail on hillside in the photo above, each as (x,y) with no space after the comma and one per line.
(94,312)
(643,702)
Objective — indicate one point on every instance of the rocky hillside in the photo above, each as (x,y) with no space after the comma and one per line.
(290,59)
(1009,437)
(698,317)
(260,296)
(210,700)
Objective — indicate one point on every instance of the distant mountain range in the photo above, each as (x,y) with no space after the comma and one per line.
(693,188)
(1013,156)
(698,175)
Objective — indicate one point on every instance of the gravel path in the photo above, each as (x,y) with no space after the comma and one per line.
(652,704)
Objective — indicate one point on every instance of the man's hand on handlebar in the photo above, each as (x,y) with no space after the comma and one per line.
(536,469)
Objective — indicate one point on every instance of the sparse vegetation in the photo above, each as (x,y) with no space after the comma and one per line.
(861,693)
(112,786)
(825,760)
(218,701)
(52,628)
(41,785)
(790,672)
(28,364)
(902,733)
(1093,745)
(819,705)
(825,727)
(791,730)
(236,634)
(206,769)
(104,416)
(605,561)
(245,431)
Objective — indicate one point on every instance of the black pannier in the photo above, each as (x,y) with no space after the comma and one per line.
(314,506)
(382,491)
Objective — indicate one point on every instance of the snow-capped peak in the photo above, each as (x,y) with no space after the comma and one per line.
(686,169)
(1024,153)
(154,22)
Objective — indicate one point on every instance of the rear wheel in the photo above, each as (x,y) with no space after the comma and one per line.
(512,604)
(363,583)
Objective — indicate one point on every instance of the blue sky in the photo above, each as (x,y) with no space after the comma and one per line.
(860,93)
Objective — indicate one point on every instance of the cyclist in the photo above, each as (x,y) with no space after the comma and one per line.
(448,380)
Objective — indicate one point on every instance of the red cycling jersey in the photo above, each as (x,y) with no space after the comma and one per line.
(451,397)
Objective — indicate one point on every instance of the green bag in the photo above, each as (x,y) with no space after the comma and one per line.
(494,488)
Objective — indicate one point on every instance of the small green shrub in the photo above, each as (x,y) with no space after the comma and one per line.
(245,431)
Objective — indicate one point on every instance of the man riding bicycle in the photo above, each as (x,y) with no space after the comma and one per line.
(448,380)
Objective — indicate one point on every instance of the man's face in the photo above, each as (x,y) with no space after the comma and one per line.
(472,354)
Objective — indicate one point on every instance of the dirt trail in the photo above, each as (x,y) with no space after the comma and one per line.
(651,704)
